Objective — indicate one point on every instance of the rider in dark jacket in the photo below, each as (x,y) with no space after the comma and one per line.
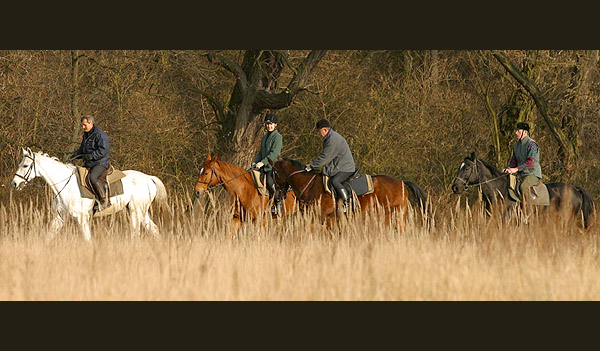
(94,149)
(335,161)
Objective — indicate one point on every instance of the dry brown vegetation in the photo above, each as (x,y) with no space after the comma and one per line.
(465,256)
(410,114)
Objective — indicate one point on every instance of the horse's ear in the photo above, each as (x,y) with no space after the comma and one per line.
(472,156)
(208,157)
(215,157)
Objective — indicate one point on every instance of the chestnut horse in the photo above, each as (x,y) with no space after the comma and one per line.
(389,192)
(249,203)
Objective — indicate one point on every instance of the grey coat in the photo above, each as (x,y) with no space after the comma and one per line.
(336,156)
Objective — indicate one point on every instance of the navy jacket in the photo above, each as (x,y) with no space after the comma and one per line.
(95,144)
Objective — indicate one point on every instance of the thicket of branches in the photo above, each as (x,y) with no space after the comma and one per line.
(411,114)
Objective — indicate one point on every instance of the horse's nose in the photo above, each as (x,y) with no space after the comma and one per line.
(14,184)
(198,192)
(455,188)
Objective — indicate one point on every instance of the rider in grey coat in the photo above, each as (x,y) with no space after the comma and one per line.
(335,161)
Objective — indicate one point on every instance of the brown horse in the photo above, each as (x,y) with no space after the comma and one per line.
(389,192)
(249,203)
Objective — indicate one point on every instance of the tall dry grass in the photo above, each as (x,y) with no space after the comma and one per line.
(464,256)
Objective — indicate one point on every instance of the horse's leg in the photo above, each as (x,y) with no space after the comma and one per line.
(135,217)
(84,225)
(55,225)
(150,225)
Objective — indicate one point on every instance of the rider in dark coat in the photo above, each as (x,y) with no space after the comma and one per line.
(94,150)
(336,159)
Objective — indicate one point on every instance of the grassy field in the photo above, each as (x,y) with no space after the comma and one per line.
(463,257)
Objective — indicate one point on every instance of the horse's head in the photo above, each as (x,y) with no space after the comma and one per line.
(283,169)
(467,174)
(208,176)
(26,171)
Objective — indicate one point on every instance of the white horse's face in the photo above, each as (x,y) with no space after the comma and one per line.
(26,171)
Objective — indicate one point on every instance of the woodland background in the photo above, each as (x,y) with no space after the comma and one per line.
(413,114)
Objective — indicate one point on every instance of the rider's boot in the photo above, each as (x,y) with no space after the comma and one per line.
(343,195)
(100,194)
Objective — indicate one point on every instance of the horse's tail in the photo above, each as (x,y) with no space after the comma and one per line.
(587,206)
(161,191)
(418,198)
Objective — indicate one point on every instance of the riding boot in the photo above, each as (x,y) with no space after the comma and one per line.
(276,208)
(107,193)
(343,195)
(100,194)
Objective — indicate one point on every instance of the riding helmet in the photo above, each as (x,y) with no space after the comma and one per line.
(271,118)
(322,123)
(523,125)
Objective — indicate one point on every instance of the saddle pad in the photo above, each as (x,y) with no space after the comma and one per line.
(540,194)
(360,185)
(114,183)
(260,185)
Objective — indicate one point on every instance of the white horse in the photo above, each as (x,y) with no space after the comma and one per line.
(139,190)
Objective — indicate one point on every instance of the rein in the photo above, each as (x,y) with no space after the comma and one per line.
(221,182)
(33,167)
(307,184)
(467,185)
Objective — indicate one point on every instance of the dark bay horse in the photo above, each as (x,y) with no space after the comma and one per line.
(238,182)
(390,193)
(475,172)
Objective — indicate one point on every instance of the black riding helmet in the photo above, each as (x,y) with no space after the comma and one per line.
(271,118)
(523,125)
(322,123)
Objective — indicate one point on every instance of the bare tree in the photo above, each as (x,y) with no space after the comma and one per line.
(256,92)
(566,147)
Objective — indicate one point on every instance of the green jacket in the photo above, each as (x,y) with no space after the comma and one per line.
(526,157)
(270,148)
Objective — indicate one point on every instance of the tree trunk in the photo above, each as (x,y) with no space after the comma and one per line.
(75,139)
(565,146)
(255,93)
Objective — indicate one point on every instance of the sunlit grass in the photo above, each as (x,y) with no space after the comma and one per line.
(464,256)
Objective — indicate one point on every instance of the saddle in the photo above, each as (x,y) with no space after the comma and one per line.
(110,177)
(539,192)
(260,182)
(357,184)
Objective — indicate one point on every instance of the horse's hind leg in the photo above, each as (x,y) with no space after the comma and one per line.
(135,220)
(149,224)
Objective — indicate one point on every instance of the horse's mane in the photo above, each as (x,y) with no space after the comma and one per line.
(295,163)
(54,158)
(494,170)
(233,169)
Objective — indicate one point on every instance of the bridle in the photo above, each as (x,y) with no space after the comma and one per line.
(466,181)
(293,173)
(28,173)
(214,174)
(31,168)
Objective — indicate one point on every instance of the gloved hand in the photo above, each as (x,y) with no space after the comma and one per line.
(308,168)
(259,165)
(72,156)
(87,157)
(253,165)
